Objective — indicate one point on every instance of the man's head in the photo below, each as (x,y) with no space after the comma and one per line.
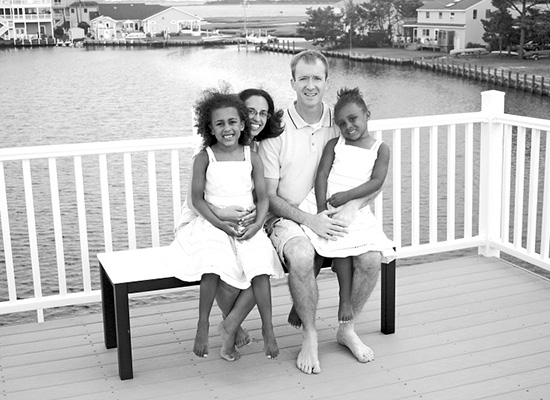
(309,77)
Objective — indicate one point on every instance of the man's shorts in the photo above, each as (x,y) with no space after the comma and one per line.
(280,231)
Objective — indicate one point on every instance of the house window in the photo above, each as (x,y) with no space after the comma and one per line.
(427,15)
(440,15)
(72,10)
(452,16)
(487,14)
(85,11)
(426,32)
(475,14)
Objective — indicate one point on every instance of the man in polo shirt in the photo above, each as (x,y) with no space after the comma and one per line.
(290,163)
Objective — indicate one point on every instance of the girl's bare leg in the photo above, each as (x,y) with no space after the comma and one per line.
(208,288)
(344,271)
(229,326)
(226,297)
(262,293)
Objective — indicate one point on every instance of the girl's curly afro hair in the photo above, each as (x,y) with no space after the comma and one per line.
(213,100)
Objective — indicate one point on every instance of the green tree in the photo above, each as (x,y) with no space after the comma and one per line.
(499,28)
(524,10)
(323,26)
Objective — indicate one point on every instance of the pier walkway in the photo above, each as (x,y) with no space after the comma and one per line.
(466,328)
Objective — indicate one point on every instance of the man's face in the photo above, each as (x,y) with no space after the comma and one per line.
(309,83)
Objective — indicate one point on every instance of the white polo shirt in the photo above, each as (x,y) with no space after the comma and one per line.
(293,157)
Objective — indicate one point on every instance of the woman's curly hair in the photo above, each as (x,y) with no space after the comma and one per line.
(274,125)
(213,100)
(346,96)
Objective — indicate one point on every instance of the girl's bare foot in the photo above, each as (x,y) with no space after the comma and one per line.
(345,312)
(270,343)
(228,351)
(242,338)
(200,348)
(293,318)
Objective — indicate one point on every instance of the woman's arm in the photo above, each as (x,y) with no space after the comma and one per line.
(262,199)
(323,171)
(363,193)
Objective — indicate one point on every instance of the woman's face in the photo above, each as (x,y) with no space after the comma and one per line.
(258,113)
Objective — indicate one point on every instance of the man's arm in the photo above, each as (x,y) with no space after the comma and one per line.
(322,223)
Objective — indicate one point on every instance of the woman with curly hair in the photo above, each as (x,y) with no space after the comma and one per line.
(214,250)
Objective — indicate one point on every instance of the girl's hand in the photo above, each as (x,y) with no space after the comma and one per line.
(230,228)
(249,218)
(249,231)
(232,213)
(338,199)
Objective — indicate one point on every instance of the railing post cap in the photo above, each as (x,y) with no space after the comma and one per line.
(492,101)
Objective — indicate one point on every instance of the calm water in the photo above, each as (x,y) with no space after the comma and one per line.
(69,95)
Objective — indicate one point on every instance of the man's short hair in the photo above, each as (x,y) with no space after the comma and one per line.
(309,57)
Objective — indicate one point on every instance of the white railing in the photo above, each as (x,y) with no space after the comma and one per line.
(473,180)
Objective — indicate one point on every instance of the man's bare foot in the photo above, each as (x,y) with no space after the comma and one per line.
(242,338)
(345,312)
(346,336)
(270,343)
(293,318)
(228,351)
(200,348)
(308,359)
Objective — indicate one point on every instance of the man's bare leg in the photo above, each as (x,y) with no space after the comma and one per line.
(226,297)
(299,256)
(293,317)
(365,274)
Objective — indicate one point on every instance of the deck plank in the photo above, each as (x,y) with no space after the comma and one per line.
(466,328)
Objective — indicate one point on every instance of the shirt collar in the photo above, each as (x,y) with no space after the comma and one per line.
(299,123)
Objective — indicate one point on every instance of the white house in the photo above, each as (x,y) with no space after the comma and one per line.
(451,24)
(173,20)
(26,19)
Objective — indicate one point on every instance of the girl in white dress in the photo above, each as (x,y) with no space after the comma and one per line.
(353,166)
(208,249)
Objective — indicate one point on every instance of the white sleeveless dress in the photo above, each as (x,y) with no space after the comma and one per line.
(200,248)
(352,167)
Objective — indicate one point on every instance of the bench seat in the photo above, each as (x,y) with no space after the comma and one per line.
(143,270)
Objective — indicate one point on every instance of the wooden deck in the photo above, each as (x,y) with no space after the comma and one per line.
(467,328)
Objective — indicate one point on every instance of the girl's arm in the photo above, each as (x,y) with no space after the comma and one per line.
(262,198)
(363,193)
(197,195)
(323,171)
(233,214)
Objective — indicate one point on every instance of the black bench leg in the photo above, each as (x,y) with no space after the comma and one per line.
(108,309)
(388,298)
(123,337)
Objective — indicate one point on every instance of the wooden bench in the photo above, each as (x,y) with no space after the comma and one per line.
(143,270)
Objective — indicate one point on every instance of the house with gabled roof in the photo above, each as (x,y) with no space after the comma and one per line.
(450,24)
(173,20)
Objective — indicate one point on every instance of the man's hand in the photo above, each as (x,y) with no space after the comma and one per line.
(346,214)
(327,227)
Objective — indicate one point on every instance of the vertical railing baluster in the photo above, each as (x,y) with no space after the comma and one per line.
(506,183)
(130,212)
(6,237)
(533,191)
(153,200)
(432,179)
(415,183)
(396,190)
(176,185)
(105,203)
(545,232)
(468,179)
(520,178)
(33,243)
(82,224)
(451,182)
(57,226)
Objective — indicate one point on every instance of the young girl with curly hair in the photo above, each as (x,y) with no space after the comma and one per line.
(209,249)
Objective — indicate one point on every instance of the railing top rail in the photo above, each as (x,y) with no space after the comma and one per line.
(527,122)
(72,150)
(427,121)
